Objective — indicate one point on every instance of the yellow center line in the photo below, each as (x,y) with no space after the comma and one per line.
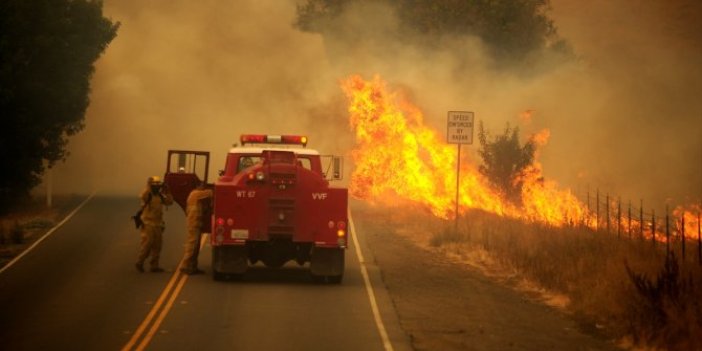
(169,290)
(164,312)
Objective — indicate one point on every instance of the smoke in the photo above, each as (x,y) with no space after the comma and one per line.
(638,131)
(192,76)
(624,117)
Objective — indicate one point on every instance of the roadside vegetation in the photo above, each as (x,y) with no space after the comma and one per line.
(629,289)
(626,290)
(29,220)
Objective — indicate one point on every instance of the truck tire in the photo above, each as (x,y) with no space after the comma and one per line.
(229,260)
(327,265)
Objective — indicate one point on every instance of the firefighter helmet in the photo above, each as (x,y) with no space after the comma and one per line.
(154,180)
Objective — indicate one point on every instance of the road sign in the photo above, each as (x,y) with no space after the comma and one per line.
(460,127)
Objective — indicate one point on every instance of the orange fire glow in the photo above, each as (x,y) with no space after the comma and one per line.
(398,156)
(691,215)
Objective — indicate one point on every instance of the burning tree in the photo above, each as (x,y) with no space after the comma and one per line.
(398,157)
(505,160)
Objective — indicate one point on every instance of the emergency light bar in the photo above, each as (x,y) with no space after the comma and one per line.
(273,139)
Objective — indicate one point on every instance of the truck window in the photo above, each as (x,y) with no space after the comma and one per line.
(304,162)
(247,161)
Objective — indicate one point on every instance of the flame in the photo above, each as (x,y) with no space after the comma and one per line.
(398,157)
(691,216)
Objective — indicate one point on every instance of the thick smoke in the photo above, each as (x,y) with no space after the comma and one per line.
(194,76)
(624,117)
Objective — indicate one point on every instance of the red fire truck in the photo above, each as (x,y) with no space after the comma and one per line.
(272,204)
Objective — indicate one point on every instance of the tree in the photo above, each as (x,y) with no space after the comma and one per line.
(47,53)
(512,30)
(505,160)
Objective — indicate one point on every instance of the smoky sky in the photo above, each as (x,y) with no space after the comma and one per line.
(624,117)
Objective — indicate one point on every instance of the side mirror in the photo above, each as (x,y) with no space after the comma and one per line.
(332,167)
(337,168)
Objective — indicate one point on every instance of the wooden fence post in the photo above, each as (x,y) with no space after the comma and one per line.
(629,219)
(607,211)
(641,221)
(653,226)
(667,232)
(619,217)
(597,213)
(682,226)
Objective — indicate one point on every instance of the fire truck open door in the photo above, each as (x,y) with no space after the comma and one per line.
(184,170)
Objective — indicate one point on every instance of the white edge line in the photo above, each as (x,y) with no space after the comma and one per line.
(369,289)
(51,231)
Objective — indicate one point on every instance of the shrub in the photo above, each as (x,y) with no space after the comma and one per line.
(17,233)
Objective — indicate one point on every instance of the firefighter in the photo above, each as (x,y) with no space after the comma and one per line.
(197,205)
(246,162)
(153,198)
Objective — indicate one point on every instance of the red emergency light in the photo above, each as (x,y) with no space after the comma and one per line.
(273,139)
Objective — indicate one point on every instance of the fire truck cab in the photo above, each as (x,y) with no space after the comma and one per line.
(272,204)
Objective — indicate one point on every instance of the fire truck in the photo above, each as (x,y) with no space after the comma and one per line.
(273,203)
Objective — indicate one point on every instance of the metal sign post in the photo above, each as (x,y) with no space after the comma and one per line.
(459,130)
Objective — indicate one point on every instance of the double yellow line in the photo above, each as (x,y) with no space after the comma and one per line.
(142,337)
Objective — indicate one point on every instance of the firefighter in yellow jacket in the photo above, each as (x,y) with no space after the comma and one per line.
(153,198)
(198,203)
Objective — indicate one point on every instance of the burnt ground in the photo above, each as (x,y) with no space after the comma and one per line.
(444,305)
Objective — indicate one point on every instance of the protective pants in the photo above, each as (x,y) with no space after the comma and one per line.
(151,239)
(192,249)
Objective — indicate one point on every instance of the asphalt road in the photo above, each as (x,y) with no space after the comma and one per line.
(78,290)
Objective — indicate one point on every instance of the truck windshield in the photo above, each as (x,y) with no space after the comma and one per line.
(247,161)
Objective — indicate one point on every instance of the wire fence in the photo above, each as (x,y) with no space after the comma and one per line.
(676,230)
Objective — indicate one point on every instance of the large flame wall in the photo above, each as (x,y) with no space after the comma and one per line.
(398,158)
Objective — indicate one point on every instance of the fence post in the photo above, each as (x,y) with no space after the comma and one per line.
(682,226)
(607,211)
(653,227)
(629,219)
(587,217)
(667,232)
(597,213)
(619,217)
(641,221)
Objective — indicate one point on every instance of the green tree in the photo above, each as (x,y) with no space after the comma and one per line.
(512,30)
(505,160)
(47,53)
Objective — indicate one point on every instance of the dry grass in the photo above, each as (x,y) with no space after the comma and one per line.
(627,288)
(29,220)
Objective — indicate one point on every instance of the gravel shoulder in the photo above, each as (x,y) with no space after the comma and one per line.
(445,305)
